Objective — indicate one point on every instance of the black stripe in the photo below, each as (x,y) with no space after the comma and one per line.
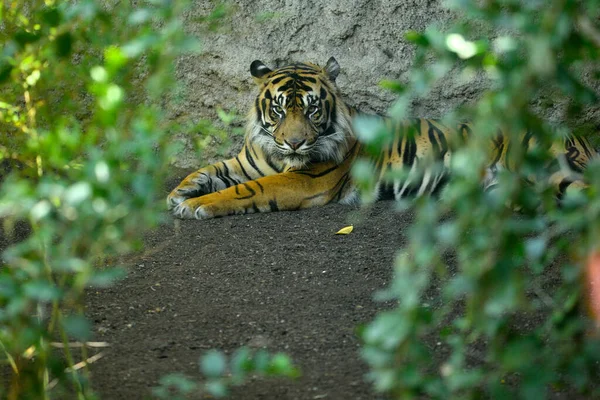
(329,131)
(314,196)
(526,138)
(437,139)
(293,67)
(400,133)
(258,110)
(251,161)
(506,163)
(279,79)
(342,184)
(562,187)
(219,174)
(253,150)
(242,168)
(500,148)
(583,144)
(230,181)
(320,174)
(271,164)
(410,150)
(294,84)
(273,205)
(262,189)
(569,142)
(465,128)
(249,188)
(572,155)
(263,104)
(333,115)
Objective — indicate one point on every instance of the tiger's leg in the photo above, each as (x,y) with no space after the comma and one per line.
(249,164)
(290,190)
(206,180)
(566,182)
(572,163)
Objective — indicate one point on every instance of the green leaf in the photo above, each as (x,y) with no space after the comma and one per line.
(370,129)
(5,70)
(460,379)
(23,38)
(281,365)
(114,58)
(64,44)
(226,117)
(78,327)
(216,388)
(392,85)
(174,385)
(140,16)
(8,287)
(241,362)
(416,38)
(213,364)
(261,361)
(138,46)
(106,277)
(41,290)
(535,247)
(52,17)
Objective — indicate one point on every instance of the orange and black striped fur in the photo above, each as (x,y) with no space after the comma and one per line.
(300,146)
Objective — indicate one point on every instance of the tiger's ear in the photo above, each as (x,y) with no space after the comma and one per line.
(332,68)
(259,70)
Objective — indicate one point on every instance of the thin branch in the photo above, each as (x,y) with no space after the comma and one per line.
(77,366)
(80,344)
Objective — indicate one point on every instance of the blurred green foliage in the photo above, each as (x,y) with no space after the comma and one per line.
(506,317)
(84,151)
(221,373)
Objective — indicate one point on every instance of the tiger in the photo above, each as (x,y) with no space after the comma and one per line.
(300,146)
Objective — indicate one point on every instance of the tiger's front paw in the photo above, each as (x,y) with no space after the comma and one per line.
(174,199)
(191,209)
(195,185)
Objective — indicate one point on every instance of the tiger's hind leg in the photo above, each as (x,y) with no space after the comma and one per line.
(572,161)
(566,182)
(562,182)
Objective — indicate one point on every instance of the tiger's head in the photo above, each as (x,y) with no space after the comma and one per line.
(298,116)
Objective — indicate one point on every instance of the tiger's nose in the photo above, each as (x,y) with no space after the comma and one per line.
(295,143)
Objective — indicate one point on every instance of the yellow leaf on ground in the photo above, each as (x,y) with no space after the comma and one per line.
(345,230)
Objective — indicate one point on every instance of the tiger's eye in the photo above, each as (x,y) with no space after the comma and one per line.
(277,110)
(312,110)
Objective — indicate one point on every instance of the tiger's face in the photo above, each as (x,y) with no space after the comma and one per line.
(297,116)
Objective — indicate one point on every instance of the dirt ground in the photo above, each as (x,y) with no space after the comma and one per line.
(281,281)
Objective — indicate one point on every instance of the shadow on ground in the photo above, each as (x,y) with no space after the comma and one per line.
(281,281)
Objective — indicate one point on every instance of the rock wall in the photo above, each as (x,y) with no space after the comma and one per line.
(365,36)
